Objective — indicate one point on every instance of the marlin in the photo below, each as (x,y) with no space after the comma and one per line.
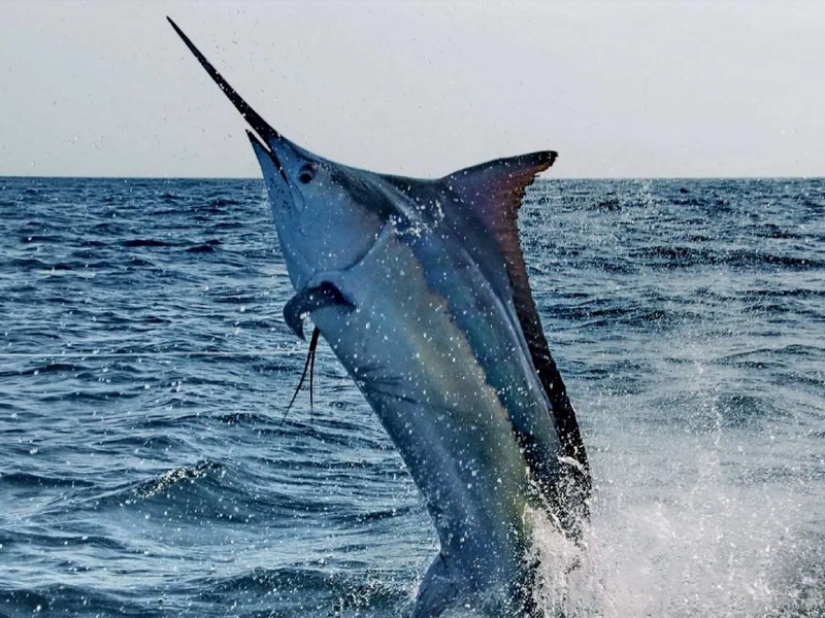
(420,289)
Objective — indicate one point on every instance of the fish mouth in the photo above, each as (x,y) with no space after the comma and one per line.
(264,130)
(270,152)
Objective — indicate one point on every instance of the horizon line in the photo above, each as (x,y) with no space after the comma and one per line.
(543,177)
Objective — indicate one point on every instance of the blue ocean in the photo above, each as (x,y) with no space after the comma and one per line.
(149,467)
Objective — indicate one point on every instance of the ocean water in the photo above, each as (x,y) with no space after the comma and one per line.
(147,467)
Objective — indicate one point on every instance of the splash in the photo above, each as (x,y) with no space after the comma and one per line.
(706,549)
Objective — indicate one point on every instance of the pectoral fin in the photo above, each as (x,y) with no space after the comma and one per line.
(324,295)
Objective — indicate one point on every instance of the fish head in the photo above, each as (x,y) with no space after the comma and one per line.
(322,219)
(327,215)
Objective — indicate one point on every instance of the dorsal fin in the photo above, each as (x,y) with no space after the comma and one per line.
(493,192)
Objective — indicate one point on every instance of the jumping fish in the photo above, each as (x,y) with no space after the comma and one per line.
(420,288)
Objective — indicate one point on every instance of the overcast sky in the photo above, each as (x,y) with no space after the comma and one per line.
(416,88)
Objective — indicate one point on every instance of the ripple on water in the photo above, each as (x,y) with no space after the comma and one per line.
(145,468)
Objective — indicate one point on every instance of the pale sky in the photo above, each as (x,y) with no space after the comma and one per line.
(620,89)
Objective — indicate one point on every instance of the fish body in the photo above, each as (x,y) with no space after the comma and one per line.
(420,289)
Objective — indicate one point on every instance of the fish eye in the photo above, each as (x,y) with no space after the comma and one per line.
(307,172)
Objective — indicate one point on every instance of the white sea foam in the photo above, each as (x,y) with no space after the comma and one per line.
(675,533)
